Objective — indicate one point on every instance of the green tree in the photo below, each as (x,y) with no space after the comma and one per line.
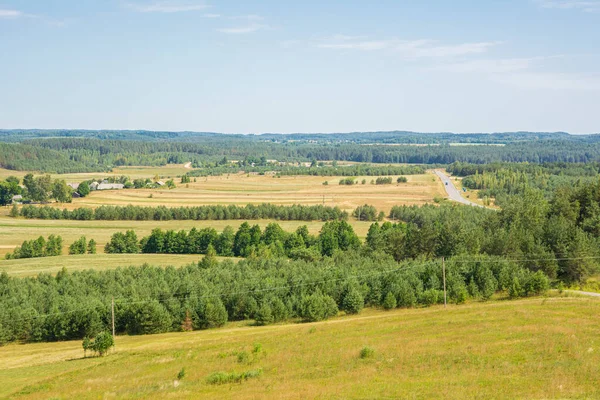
(91,247)
(389,301)
(101,343)
(79,246)
(83,189)
(353,301)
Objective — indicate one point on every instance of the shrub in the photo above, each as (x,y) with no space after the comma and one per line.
(100,345)
(318,307)
(242,357)
(366,352)
(221,378)
(401,179)
(181,374)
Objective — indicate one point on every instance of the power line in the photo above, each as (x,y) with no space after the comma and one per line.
(172,296)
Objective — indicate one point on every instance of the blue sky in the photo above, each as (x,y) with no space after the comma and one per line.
(301,66)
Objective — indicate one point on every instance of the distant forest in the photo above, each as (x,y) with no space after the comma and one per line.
(96,151)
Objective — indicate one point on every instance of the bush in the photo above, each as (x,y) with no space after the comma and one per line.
(221,378)
(100,345)
(318,307)
(181,374)
(366,352)
(401,179)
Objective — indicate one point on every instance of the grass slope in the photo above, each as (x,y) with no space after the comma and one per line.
(531,348)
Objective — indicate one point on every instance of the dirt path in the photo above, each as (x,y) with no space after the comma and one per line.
(593,294)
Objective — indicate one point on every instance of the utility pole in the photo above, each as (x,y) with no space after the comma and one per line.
(444,277)
(112,308)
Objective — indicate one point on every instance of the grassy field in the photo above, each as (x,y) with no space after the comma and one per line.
(242,189)
(33,266)
(13,231)
(532,348)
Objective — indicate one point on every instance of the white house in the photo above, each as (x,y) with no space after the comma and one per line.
(109,186)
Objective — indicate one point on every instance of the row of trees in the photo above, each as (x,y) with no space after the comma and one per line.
(247,241)
(208,212)
(82,246)
(39,247)
(152,300)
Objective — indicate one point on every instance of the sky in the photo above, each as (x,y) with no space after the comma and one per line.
(288,66)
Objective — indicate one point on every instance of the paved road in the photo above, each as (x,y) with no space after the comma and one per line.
(453,192)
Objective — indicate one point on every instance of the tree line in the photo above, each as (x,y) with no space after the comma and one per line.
(247,241)
(148,299)
(295,212)
(39,247)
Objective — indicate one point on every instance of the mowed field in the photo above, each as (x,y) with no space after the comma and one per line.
(241,189)
(532,348)
(238,189)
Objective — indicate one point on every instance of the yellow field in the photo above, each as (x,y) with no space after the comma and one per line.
(241,189)
(531,348)
(33,266)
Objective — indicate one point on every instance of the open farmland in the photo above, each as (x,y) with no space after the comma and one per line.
(532,348)
(242,189)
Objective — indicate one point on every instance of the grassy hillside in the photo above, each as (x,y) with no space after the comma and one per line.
(533,348)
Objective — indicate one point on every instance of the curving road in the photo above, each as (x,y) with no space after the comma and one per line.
(453,192)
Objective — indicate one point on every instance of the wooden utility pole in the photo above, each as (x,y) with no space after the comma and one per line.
(444,277)
(112,308)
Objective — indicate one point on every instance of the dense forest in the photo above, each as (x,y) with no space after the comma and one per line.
(205,295)
(97,151)
(499,180)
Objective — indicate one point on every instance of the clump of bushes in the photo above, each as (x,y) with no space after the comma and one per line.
(221,378)
(366,352)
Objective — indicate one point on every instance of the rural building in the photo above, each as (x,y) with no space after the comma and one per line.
(17,198)
(94,186)
(110,186)
(73,186)
(76,195)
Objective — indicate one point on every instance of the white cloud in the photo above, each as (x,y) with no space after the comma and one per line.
(10,13)
(243,29)
(253,23)
(524,73)
(551,80)
(583,5)
(167,7)
(211,15)
(421,48)
(487,66)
